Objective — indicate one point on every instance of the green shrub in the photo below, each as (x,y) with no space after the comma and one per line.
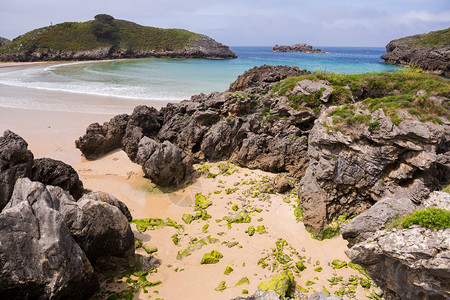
(432,218)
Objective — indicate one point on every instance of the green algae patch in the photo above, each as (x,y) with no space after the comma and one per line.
(360,269)
(243,280)
(238,217)
(251,230)
(302,289)
(365,283)
(338,264)
(309,283)
(228,270)
(187,218)
(221,287)
(280,283)
(152,223)
(149,248)
(244,292)
(175,239)
(211,258)
(195,246)
(261,229)
(205,228)
(235,207)
(318,269)
(300,266)
(201,201)
(137,243)
(298,213)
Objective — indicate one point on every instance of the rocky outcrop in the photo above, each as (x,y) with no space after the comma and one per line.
(255,130)
(164,163)
(54,172)
(4,41)
(350,169)
(110,199)
(410,263)
(430,51)
(39,257)
(366,225)
(301,47)
(101,139)
(15,162)
(260,79)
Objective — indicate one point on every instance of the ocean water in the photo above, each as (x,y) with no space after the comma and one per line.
(116,86)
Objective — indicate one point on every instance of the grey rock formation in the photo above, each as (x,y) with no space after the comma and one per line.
(410,51)
(164,163)
(101,139)
(110,199)
(411,263)
(301,47)
(437,199)
(307,87)
(365,225)
(3,41)
(54,172)
(260,78)
(144,121)
(15,162)
(39,257)
(348,173)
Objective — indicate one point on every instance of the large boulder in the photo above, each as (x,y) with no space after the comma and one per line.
(365,225)
(110,199)
(410,263)
(39,257)
(101,139)
(15,162)
(355,166)
(261,78)
(144,121)
(164,163)
(54,172)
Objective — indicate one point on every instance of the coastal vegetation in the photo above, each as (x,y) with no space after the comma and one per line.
(104,31)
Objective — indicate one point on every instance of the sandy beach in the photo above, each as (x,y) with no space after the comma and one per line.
(52,134)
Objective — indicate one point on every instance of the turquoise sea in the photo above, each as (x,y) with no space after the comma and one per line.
(116,86)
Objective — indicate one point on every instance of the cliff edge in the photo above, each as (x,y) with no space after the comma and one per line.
(430,51)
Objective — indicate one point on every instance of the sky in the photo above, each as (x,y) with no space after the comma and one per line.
(247,22)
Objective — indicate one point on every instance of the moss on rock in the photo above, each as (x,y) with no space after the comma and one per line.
(201,201)
(280,283)
(211,258)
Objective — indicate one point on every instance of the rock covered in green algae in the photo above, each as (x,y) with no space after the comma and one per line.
(243,280)
(222,286)
(201,201)
(149,247)
(280,283)
(211,258)
(228,270)
(196,246)
(251,230)
(338,264)
(300,266)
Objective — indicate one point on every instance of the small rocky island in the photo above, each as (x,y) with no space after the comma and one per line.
(428,51)
(302,47)
(109,38)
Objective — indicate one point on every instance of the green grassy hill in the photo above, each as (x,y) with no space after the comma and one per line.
(95,34)
(105,32)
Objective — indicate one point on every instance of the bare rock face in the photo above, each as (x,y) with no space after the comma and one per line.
(412,51)
(15,162)
(307,87)
(365,225)
(144,121)
(110,199)
(54,172)
(206,47)
(39,257)
(410,263)
(260,78)
(164,163)
(101,139)
(348,173)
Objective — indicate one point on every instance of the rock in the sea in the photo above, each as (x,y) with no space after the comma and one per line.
(365,225)
(15,162)
(101,139)
(54,172)
(39,257)
(348,172)
(260,78)
(301,47)
(428,51)
(164,163)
